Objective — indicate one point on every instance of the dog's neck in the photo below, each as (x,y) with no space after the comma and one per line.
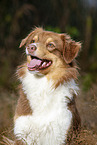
(41,91)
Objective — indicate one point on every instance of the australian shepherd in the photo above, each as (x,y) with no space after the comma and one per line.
(46,112)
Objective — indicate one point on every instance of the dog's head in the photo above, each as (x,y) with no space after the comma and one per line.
(51,54)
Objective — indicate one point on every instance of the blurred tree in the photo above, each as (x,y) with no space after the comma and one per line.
(77,18)
(87,40)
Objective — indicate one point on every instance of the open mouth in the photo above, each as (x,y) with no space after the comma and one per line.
(38,64)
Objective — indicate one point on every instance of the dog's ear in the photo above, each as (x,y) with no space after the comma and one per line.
(70,48)
(34,31)
(23,42)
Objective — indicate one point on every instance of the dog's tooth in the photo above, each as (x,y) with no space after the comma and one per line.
(48,63)
(44,63)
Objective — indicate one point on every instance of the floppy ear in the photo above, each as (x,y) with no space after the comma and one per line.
(23,42)
(70,48)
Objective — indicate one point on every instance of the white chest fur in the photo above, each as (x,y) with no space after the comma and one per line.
(51,119)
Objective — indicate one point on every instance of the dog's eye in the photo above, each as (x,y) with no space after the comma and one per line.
(32,41)
(50,46)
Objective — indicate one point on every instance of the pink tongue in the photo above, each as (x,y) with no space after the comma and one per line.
(34,62)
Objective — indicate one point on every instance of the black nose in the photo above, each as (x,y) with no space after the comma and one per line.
(31,48)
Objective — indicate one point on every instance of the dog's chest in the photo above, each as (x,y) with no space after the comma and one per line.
(51,118)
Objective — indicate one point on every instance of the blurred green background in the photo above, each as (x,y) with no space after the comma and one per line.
(78,18)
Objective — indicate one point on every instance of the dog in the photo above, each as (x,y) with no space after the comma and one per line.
(46,112)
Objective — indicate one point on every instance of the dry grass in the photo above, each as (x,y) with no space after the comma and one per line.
(87,107)
(85,137)
(7,109)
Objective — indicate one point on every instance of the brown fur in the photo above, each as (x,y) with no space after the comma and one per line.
(76,121)
(71,48)
(23,107)
(21,70)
